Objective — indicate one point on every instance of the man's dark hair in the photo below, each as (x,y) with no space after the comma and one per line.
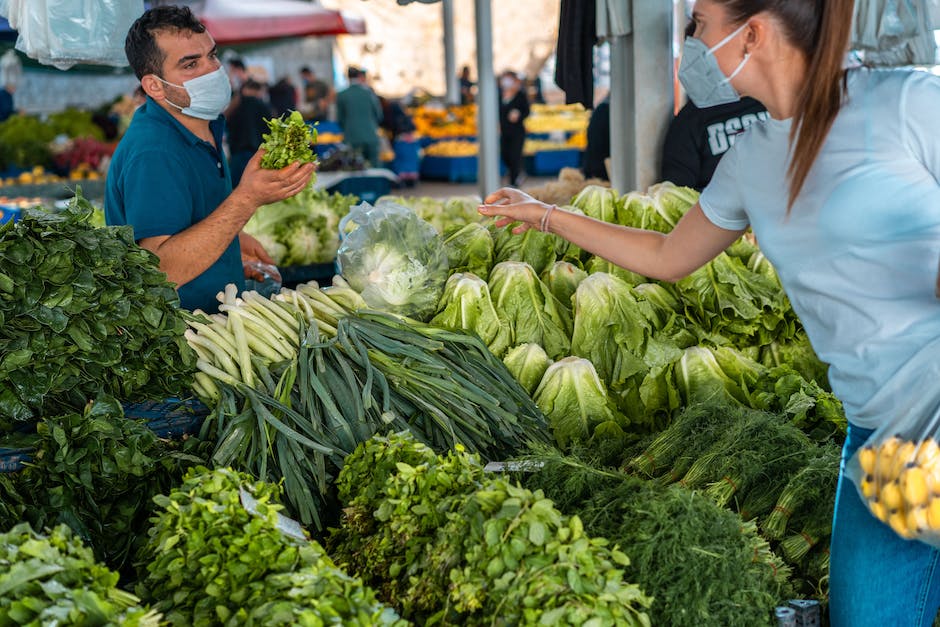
(353,72)
(306,70)
(251,85)
(140,46)
(236,64)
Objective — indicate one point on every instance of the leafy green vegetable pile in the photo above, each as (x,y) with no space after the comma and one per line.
(450,546)
(292,405)
(220,553)
(288,141)
(83,310)
(699,562)
(443,214)
(303,229)
(647,349)
(54,580)
(96,472)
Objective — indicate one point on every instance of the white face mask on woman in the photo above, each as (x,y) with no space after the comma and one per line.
(209,94)
(701,77)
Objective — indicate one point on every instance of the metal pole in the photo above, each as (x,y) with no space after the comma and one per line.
(487,101)
(622,115)
(450,57)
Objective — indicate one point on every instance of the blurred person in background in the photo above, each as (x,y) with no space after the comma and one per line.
(282,96)
(466,86)
(597,150)
(359,113)
(513,110)
(316,95)
(697,138)
(246,127)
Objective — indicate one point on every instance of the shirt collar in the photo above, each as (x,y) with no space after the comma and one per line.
(153,110)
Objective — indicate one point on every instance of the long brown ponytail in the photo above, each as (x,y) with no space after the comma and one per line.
(821,30)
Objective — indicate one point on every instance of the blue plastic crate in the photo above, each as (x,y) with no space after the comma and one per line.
(170,419)
(322,273)
(8,213)
(326,126)
(550,162)
(14,459)
(453,169)
(368,188)
(407,157)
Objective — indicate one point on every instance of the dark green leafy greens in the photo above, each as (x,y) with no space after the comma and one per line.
(83,310)
(96,472)
(288,142)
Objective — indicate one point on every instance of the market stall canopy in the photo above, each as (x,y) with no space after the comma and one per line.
(242,21)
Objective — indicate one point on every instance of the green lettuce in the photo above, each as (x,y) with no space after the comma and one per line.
(527,363)
(563,278)
(597,264)
(600,203)
(466,306)
(532,247)
(533,313)
(470,248)
(574,400)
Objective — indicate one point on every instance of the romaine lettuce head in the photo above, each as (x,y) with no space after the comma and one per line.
(469,249)
(527,363)
(467,306)
(798,354)
(573,399)
(532,247)
(562,279)
(600,203)
(743,249)
(598,264)
(610,327)
(533,313)
(700,379)
(670,202)
(745,372)
(394,259)
(747,308)
(565,250)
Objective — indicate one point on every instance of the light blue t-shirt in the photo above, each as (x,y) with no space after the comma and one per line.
(858,255)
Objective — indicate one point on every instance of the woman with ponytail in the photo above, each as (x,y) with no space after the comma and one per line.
(841,188)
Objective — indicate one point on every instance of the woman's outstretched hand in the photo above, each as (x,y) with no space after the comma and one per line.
(511,205)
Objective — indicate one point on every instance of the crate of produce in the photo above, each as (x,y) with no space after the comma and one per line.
(453,169)
(551,162)
(171,419)
(368,188)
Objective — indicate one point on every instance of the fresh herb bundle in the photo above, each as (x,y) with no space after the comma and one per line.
(83,310)
(455,547)
(54,580)
(96,472)
(701,564)
(288,142)
(220,553)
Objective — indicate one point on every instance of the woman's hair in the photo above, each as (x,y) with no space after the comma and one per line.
(820,29)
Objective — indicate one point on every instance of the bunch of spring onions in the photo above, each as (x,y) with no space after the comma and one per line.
(299,380)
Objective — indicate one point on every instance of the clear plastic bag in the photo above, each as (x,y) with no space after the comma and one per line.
(897,471)
(393,258)
(65,32)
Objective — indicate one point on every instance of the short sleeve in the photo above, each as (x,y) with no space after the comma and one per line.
(156,198)
(919,100)
(721,199)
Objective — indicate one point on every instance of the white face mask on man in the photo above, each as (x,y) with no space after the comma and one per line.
(209,94)
(702,78)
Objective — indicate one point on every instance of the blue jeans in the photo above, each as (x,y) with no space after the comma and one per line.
(877,578)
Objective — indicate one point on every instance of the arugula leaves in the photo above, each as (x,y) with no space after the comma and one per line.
(288,142)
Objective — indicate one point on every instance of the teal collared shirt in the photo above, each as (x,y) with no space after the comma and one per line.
(162,180)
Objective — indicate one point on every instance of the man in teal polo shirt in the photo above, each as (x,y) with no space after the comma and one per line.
(169,177)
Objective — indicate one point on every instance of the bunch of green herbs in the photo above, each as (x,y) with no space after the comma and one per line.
(288,140)
(83,310)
